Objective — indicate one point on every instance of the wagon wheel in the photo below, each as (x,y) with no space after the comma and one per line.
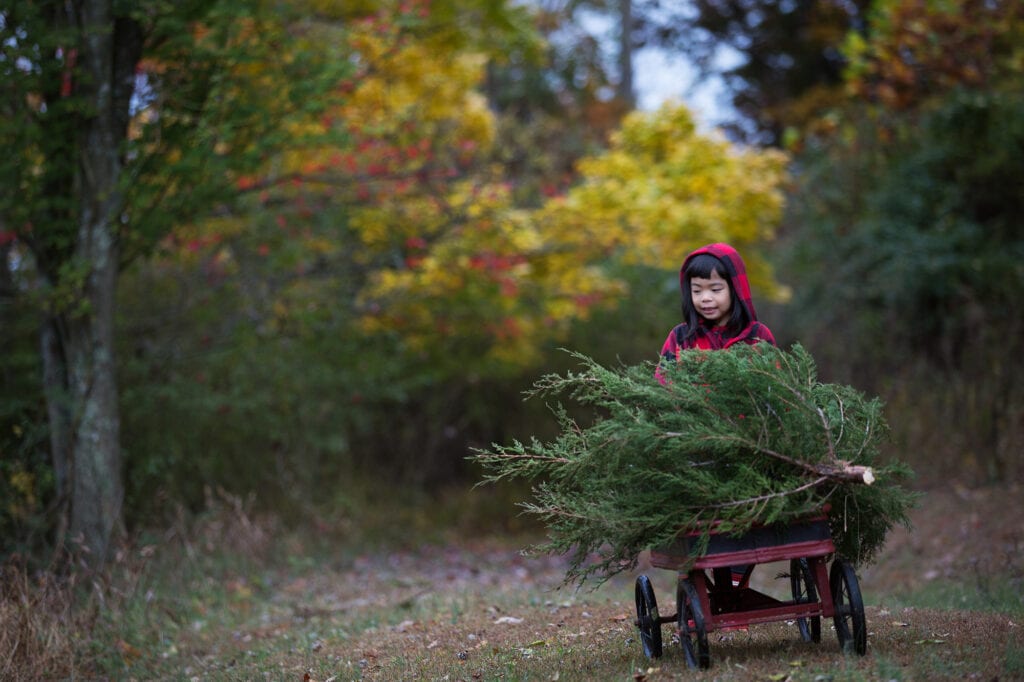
(692,634)
(851,627)
(802,581)
(647,618)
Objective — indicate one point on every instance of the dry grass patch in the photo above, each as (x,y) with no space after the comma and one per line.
(37,625)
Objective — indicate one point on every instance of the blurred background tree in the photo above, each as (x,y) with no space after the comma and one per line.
(781,63)
(399,290)
(119,123)
(905,232)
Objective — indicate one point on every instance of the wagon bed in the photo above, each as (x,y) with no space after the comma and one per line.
(713,590)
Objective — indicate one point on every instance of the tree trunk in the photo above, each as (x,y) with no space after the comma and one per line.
(106,63)
(59,418)
(97,491)
(625,91)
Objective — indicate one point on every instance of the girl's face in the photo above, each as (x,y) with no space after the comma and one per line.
(712,298)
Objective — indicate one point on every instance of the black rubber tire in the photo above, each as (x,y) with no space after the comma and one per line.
(693,636)
(647,618)
(804,592)
(851,626)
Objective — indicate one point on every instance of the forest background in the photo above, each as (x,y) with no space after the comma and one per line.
(311,253)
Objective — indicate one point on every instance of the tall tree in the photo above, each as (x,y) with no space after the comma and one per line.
(119,119)
(75,63)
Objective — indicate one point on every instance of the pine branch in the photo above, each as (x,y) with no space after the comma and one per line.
(836,469)
(762,498)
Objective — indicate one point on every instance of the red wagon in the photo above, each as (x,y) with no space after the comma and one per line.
(713,592)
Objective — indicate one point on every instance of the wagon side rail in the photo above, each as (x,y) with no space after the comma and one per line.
(761,544)
(725,606)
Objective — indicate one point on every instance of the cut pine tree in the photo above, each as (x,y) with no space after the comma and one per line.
(739,437)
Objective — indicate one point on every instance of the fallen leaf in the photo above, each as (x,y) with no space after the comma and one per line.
(128,652)
(239,589)
(641,675)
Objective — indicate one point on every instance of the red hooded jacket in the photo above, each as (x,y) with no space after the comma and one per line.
(714,338)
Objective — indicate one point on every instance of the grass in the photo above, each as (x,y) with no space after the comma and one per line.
(234,597)
(1005,599)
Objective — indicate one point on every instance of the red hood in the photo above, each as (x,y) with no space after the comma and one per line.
(736,271)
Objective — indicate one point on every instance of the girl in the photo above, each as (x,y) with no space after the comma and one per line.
(717,308)
(717,313)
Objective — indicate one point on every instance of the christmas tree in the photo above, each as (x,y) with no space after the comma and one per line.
(739,437)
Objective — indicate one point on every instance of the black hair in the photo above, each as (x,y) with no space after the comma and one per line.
(702,265)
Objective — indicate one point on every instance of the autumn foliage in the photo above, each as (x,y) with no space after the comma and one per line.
(920,49)
(444,256)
